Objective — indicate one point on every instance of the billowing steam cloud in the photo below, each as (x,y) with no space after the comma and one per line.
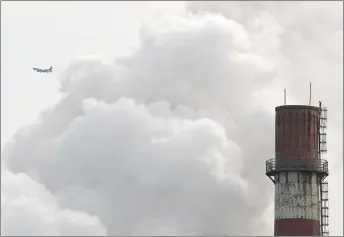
(29,209)
(169,141)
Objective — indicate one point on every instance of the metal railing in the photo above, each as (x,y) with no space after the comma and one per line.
(296,164)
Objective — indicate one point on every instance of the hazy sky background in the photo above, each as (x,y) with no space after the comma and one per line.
(159,116)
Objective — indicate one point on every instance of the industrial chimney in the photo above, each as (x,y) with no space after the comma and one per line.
(298,172)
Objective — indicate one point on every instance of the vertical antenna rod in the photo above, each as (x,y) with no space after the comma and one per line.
(285,96)
(310,93)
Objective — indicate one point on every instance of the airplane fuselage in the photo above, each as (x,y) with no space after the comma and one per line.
(43,70)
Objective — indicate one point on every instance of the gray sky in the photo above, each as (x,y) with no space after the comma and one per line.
(157,111)
(54,36)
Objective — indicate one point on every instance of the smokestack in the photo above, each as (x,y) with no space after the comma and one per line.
(298,172)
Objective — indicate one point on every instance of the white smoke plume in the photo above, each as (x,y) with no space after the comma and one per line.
(29,209)
(173,139)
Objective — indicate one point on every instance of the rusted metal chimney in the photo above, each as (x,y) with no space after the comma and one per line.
(298,172)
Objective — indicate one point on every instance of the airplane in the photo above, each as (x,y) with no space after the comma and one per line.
(43,70)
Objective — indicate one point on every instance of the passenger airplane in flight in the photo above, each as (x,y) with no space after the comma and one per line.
(43,70)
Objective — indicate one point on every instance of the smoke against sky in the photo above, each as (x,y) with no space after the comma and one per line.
(172,139)
(28,208)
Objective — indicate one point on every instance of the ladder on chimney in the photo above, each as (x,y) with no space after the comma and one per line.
(322,148)
(324,205)
(322,125)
